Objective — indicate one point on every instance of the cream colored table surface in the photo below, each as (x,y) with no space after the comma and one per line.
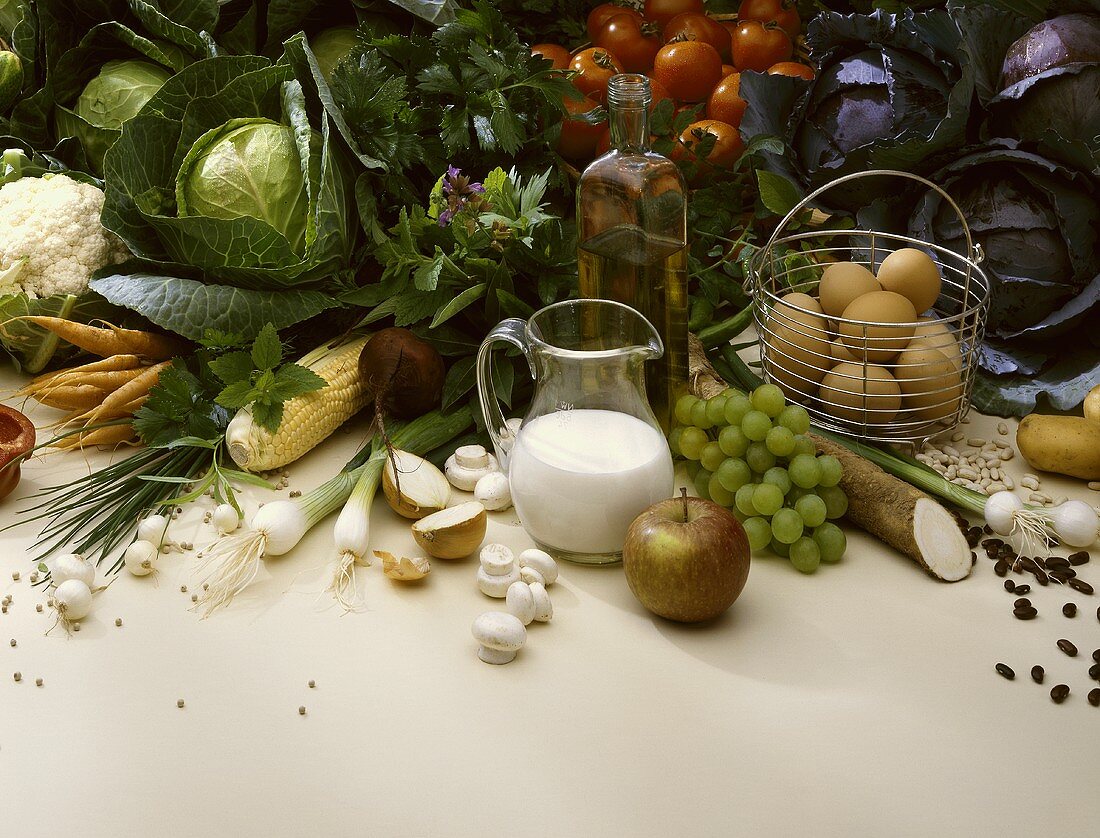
(860,701)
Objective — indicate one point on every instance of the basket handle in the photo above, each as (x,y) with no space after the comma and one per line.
(973,253)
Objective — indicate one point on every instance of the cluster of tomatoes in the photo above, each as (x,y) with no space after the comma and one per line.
(689,57)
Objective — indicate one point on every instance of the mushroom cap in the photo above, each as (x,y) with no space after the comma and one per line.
(497,559)
(541,561)
(499,630)
(521,602)
(544,608)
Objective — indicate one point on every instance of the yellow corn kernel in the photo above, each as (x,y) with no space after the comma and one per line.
(307,420)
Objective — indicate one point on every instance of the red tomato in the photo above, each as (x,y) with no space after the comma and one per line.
(662,11)
(594,67)
(578,138)
(783,12)
(728,69)
(689,69)
(631,41)
(692,26)
(791,68)
(659,92)
(558,54)
(725,103)
(756,45)
(603,13)
(727,143)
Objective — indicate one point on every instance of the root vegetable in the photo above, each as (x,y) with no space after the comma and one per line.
(72,566)
(404,373)
(1064,444)
(453,533)
(226,519)
(106,436)
(141,557)
(69,396)
(1075,523)
(111,340)
(73,601)
(132,389)
(424,489)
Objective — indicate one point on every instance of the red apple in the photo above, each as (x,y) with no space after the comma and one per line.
(686,559)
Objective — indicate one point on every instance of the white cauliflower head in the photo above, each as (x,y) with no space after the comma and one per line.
(51,238)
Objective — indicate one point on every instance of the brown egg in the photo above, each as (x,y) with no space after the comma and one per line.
(878,344)
(795,346)
(842,282)
(913,274)
(932,334)
(930,381)
(862,394)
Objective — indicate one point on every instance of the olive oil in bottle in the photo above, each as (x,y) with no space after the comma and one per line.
(632,234)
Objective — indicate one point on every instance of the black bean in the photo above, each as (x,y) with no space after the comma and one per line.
(1062,576)
(1010,586)
(1059,693)
(1037,673)
(1067,647)
(1027,564)
(1098,613)
(1040,562)
(1001,568)
(1057,561)
(1094,672)
(1078,558)
(1094,697)
(988,530)
(973,557)
(1025,613)
(1096,655)
(1069,609)
(973,536)
(1023,589)
(1022,602)
(1005,670)
(1083,587)
(1041,578)
(992,542)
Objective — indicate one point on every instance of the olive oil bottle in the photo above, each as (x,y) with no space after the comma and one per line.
(632,236)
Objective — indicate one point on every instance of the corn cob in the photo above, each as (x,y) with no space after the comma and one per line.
(307,420)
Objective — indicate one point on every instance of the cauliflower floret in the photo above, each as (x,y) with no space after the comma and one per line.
(51,239)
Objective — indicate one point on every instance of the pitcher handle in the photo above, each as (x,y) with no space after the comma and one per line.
(514,331)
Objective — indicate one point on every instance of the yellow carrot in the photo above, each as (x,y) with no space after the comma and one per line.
(131,390)
(112,435)
(70,396)
(110,340)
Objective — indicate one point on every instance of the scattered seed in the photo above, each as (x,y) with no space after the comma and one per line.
(1037,673)
(973,536)
(1079,558)
(988,530)
(1029,483)
(1063,575)
(1098,613)
(15,575)
(34,577)
(1057,562)
(301,710)
(1059,693)
(118,621)
(950,451)
(1094,697)
(76,626)
(1067,647)
(3,609)
(295,494)
(18,676)
(38,682)
(1027,613)
(1001,568)
(957,436)
(1096,655)
(1070,609)
(194,597)
(1022,602)
(38,608)
(205,586)
(1010,586)
(1005,671)
(183,589)
(1041,577)
(179,702)
(312,683)
(1094,672)
(1002,428)
(1006,454)
(1023,589)
(1081,586)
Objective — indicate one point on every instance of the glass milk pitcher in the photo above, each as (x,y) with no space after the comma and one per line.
(589,455)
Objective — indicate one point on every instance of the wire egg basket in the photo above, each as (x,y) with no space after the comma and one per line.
(883,381)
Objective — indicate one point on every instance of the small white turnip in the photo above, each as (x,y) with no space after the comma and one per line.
(72,566)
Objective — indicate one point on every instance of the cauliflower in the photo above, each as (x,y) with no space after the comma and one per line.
(51,239)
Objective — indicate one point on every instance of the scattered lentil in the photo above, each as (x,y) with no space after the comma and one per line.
(1067,647)
(1037,673)
(1059,693)
(1069,609)
(15,575)
(1005,671)
(183,589)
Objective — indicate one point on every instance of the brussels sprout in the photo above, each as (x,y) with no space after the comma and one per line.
(331,46)
(118,92)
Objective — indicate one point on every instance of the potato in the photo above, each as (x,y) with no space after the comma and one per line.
(880,343)
(1063,444)
(913,274)
(930,382)
(842,282)
(1092,404)
(844,391)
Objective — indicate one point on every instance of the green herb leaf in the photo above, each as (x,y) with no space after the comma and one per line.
(267,352)
(232,367)
(777,193)
(293,380)
(237,395)
(268,416)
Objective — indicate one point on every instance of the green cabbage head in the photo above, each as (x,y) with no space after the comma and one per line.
(118,92)
(331,46)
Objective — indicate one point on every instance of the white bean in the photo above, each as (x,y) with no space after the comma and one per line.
(950,451)
(1007,454)
(996,487)
(975,442)
(1002,428)
(956,437)
(1010,484)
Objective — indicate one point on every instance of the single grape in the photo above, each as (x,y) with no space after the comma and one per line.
(767,398)
(756,425)
(831,541)
(692,442)
(699,416)
(767,499)
(682,411)
(729,391)
(674,442)
(780,549)
(716,410)
(796,493)
(711,456)
(738,514)
(737,405)
(805,555)
(734,474)
(804,445)
(733,441)
(759,532)
(702,482)
(777,476)
(759,458)
(804,471)
(836,502)
(795,419)
(786,526)
(780,441)
(743,499)
(831,470)
(812,509)
(719,493)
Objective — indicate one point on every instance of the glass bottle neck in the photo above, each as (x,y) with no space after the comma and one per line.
(630,128)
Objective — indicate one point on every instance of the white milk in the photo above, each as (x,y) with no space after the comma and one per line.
(579,477)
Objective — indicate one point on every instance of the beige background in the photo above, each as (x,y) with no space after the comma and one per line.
(860,701)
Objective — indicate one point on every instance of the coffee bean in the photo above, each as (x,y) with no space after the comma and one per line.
(1010,586)
(973,536)
(1001,568)
(1078,558)
(1067,647)
(1070,609)
(1094,672)
(1083,587)
(1027,613)
(1056,562)
(1037,673)
(1059,693)
(1005,670)
(1023,589)
(1094,697)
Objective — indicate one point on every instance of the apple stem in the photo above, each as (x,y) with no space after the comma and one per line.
(684,501)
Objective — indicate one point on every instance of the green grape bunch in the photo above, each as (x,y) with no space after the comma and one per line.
(750,454)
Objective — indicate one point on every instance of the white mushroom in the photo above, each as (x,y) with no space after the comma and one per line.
(544,609)
(521,602)
(500,636)
(496,586)
(494,491)
(541,561)
(530,576)
(497,559)
(467,465)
